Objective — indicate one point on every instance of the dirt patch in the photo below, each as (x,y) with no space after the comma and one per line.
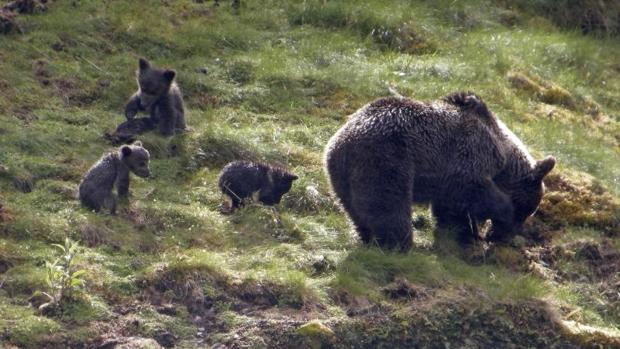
(92,236)
(8,23)
(545,91)
(603,258)
(27,6)
(171,285)
(579,200)
(69,90)
(401,288)
(24,113)
(8,13)
(143,220)
(447,322)
(405,39)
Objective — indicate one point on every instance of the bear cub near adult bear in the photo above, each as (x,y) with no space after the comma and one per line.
(453,153)
(241,180)
(95,190)
(160,97)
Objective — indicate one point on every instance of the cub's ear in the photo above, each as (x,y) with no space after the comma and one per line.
(137,143)
(169,75)
(543,167)
(126,150)
(293,177)
(143,64)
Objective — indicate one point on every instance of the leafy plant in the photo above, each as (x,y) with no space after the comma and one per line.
(62,281)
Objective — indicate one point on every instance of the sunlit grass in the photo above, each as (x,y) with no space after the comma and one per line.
(270,83)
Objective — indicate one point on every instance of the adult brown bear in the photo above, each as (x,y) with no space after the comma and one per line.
(453,153)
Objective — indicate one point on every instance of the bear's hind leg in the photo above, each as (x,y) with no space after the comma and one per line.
(394,230)
(388,220)
(360,226)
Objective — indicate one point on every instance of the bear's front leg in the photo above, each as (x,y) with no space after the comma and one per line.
(109,203)
(491,203)
(122,184)
(133,106)
(450,217)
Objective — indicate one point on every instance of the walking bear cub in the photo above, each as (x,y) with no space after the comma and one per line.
(453,153)
(240,180)
(159,96)
(95,190)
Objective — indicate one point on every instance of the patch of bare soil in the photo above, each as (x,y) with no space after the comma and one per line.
(9,12)
(579,200)
(441,321)
(401,288)
(7,22)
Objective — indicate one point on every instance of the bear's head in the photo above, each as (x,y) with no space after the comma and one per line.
(527,192)
(153,82)
(281,182)
(136,158)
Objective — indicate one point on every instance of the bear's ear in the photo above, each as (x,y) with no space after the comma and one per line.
(543,167)
(143,64)
(126,150)
(169,75)
(137,143)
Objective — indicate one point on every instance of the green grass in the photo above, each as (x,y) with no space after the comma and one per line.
(280,79)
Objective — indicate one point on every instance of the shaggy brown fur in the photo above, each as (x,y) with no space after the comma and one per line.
(454,154)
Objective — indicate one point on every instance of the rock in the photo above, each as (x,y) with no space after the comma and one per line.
(139,343)
(591,336)
(130,343)
(316,334)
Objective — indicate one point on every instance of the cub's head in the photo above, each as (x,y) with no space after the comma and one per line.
(153,82)
(528,191)
(282,181)
(136,158)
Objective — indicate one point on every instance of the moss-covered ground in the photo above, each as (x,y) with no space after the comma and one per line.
(272,81)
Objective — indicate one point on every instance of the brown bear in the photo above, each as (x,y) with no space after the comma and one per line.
(240,180)
(112,169)
(159,96)
(453,153)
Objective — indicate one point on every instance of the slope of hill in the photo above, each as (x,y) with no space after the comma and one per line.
(272,81)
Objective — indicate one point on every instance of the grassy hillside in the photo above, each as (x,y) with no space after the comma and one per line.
(272,81)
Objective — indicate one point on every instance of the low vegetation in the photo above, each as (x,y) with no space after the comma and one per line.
(271,81)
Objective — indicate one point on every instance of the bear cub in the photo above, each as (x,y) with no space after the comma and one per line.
(95,190)
(241,180)
(159,96)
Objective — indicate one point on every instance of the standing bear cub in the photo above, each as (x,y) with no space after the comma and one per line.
(240,180)
(454,154)
(160,97)
(95,190)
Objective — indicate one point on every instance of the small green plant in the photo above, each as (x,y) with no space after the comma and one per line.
(62,281)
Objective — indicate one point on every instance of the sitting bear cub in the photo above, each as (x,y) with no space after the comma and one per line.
(95,190)
(159,96)
(240,180)
(454,154)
